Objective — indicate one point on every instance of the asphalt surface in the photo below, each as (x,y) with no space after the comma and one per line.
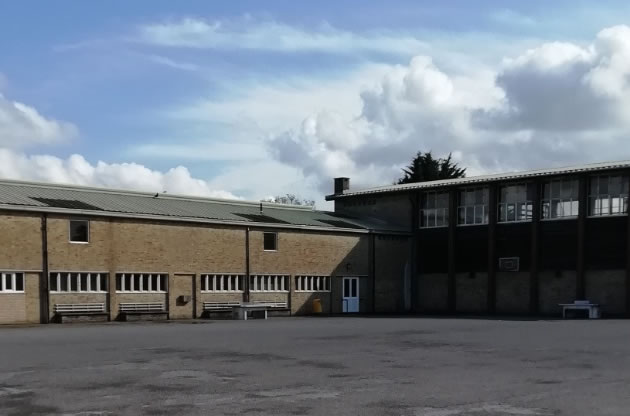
(318,366)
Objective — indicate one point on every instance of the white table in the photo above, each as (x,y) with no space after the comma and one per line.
(241,311)
(593,308)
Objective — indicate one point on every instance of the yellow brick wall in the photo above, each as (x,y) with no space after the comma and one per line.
(32,290)
(20,242)
(12,308)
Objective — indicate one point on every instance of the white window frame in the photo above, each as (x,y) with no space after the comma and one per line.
(217,283)
(312,283)
(275,234)
(622,198)
(547,203)
(278,283)
(13,278)
(476,207)
(58,276)
(425,212)
(70,231)
(133,282)
(529,206)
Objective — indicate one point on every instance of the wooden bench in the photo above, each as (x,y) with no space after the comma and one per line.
(592,308)
(81,312)
(143,311)
(219,306)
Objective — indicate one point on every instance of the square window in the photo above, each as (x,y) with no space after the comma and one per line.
(19,282)
(79,231)
(270,241)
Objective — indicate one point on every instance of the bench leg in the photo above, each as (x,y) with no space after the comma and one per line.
(265,314)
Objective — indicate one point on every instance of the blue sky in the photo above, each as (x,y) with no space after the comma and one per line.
(252,99)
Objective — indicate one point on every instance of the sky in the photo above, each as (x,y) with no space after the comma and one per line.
(251,99)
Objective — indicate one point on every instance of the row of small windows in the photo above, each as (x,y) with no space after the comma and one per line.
(312,283)
(11,282)
(141,282)
(263,283)
(608,195)
(68,282)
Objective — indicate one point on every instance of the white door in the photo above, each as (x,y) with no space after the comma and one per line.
(350,294)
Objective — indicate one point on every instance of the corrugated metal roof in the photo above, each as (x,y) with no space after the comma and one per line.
(486,178)
(41,197)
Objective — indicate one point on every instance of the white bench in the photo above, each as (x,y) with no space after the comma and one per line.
(146,307)
(219,306)
(592,308)
(79,308)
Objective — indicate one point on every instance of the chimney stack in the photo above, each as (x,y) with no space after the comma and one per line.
(341,185)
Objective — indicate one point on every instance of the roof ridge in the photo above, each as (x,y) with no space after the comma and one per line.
(179,197)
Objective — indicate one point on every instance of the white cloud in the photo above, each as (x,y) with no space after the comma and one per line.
(555,104)
(22,126)
(78,171)
(252,34)
(166,61)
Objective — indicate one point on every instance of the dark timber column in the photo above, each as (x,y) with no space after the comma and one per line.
(535,249)
(492,242)
(580,292)
(452,224)
(628,256)
(414,283)
(44,292)
(247,270)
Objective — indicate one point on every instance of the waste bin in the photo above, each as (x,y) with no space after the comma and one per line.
(317,306)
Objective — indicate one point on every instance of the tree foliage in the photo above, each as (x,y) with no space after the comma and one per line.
(292,199)
(424,167)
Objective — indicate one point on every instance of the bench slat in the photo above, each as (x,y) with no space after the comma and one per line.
(142,307)
(79,307)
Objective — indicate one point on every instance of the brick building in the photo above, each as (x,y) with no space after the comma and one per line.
(63,247)
(518,243)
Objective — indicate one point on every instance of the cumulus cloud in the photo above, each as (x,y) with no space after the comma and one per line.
(78,171)
(556,104)
(23,126)
(271,36)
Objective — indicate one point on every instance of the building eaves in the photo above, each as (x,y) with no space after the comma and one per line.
(510,176)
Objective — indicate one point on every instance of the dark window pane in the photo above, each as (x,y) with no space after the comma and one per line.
(270,241)
(19,282)
(64,282)
(354,288)
(74,282)
(52,285)
(8,281)
(79,231)
(84,282)
(346,288)
(118,282)
(104,282)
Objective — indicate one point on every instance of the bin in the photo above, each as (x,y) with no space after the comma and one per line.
(317,306)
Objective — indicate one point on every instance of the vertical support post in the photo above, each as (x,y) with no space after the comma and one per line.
(415,277)
(452,234)
(44,292)
(492,241)
(580,290)
(373,269)
(247,268)
(628,251)
(535,248)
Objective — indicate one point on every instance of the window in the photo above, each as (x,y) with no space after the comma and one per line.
(141,282)
(608,195)
(434,210)
(515,203)
(68,282)
(222,283)
(11,282)
(473,206)
(269,283)
(312,283)
(270,241)
(79,231)
(560,199)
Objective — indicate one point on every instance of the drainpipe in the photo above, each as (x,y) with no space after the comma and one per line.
(44,293)
(247,269)
(373,267)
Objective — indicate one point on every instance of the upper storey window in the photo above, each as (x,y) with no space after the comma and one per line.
(560,199)
(434,210)
(473,206)
(608,195)
(515,203)
(79,231)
